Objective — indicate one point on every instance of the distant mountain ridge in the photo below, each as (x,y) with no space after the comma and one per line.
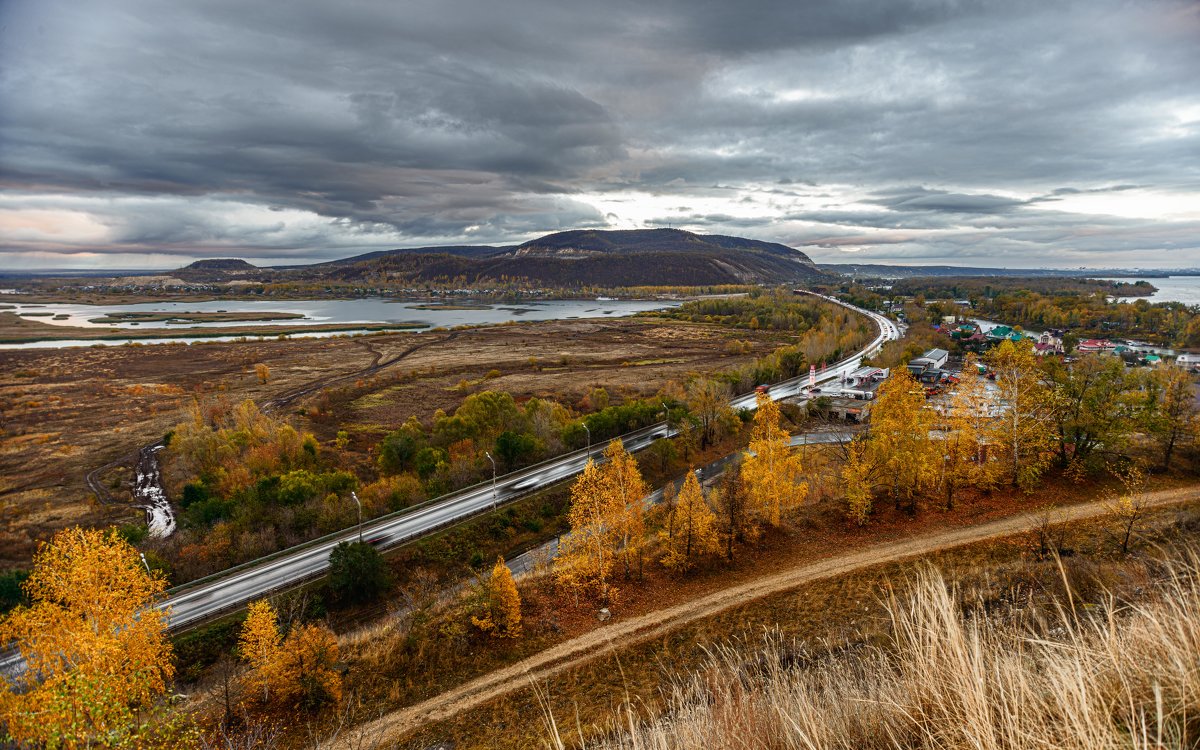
(220,264)
(639,257)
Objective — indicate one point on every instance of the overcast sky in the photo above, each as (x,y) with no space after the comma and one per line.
(143,133)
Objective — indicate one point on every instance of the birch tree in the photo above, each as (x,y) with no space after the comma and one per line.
(772,472)
(587,553)
(899,443)
(502,609)
(1025,428)
(1173,421)
(95,649)
(964,463)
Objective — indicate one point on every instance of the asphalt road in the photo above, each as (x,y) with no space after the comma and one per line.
(709,473)
(199,600)
(230,589)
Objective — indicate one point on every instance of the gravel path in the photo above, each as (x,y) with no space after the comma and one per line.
(600,641)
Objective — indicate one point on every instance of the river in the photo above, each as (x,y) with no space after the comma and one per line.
(422,316)
(1185,289)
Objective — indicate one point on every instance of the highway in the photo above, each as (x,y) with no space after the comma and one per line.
(199,600)
(196,601)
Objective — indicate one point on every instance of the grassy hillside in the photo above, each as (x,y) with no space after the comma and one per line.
(1116,669)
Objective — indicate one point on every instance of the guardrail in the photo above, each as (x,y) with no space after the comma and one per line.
(511,480)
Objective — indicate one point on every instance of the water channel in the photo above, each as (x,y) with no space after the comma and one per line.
(422,316)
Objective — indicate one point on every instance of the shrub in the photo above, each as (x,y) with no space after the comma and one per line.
(357,572)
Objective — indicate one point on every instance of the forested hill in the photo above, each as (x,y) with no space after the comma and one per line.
(580,258)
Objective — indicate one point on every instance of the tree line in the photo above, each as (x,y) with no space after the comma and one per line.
(1009,428)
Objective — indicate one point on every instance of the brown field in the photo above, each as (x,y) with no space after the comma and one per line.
(68,411)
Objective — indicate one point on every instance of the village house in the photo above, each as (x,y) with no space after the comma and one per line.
(1189,361)
(1103,346)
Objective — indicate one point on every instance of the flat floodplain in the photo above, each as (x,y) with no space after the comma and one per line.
(68,411)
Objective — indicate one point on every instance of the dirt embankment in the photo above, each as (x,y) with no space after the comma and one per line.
(603,641)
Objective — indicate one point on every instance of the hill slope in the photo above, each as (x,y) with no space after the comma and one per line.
(642,257)
(593,258)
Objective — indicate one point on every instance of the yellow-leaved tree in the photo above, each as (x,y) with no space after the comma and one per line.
(691,528)
(1173,420)
(897,455)
(1024,430)
(965,431)
(586,555)
(502,609)
(623,479)
(305,673)
(299,670)
(95,650)
(259,644)
(860,489)
(772,472)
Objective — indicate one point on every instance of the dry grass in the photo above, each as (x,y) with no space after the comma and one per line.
(1117,674)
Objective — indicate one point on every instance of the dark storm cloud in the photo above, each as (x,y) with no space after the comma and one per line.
(923,128)
(923,199)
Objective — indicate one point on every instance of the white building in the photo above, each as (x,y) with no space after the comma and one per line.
(1190,361)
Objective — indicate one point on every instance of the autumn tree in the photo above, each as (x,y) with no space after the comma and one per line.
(899,443)
(772,473)
(502,607)
(1097,403)
(263,372)
(1127,509)
(586,555)
(299,670)
(95,648)
(259,643)
(964,429)
(1173,420)
(708,402)
(735,522)
(692,528)
(621,478)
(304,673)
(1025,428)
(858,478)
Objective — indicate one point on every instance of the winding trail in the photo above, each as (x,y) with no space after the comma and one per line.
(600,642)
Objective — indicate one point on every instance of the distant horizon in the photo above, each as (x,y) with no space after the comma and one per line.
(902,132)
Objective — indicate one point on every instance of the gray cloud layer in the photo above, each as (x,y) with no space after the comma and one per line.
(1023,132)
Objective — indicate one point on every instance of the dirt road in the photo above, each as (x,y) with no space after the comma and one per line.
(600,642)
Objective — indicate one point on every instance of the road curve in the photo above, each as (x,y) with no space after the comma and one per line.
(196,601)
(618,634)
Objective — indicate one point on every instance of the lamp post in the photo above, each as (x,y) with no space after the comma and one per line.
(589,443)
(143,556)
(495,496)
(358,503)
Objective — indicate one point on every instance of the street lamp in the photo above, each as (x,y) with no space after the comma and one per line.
(495,497)
(359,504)
(589,443)
(143,556)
